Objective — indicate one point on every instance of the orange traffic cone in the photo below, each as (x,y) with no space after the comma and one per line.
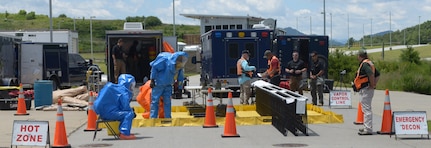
(387,116)
(60,137)
(22,107)
(91,115)
(359,116)
(230,125)
(210,120)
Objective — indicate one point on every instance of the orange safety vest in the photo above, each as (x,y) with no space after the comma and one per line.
(361,80)
(239,70)
(271,68)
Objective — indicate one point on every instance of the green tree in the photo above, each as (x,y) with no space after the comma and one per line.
(62,16)
(135,19)
(410,55)
(152,21)
(22,12)
(31,16)
(350,42)
(339,61)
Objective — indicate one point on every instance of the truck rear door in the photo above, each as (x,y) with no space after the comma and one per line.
(77,68)
(31,61)
(234,48)
(149,44)
(56,62)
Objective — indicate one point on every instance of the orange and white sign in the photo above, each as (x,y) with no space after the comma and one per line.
(30,133)
(340,98)
(410,122)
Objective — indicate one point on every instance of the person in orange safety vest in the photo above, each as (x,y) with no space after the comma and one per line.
(365,82)
(244,72)
(273,72)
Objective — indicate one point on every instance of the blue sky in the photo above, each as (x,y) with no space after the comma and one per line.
(288,13)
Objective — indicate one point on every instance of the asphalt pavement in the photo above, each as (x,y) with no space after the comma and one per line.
(257,136)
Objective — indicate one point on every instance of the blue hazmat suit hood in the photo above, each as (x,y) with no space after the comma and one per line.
(127,81)
(115,97)
(166,65)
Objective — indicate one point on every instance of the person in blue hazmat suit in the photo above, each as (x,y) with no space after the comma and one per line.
(165,69)
(113,103)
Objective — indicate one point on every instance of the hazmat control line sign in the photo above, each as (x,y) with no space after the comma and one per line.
(340,98)
(410,123)
(30,133)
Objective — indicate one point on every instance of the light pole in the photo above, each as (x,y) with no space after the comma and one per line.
(50,21)
(419,36)
(91,35)
(404,36)
(74,23)
(173,12)
(371,34)
(363,35)
(59,23)
(324,18)
(348,32)
(297,20)
(390,31)
(330,41)
(311,32)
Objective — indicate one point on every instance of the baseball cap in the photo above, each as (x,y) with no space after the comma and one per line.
(245,51)
(266,53)
(362,52)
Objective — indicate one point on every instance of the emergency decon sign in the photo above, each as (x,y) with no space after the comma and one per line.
(30,133)
(410,122)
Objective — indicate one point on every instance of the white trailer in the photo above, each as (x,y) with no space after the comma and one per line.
(62,36)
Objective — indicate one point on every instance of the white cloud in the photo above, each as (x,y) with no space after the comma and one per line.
(302,12)
(404,13)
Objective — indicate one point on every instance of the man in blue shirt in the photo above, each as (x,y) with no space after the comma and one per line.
(244,72)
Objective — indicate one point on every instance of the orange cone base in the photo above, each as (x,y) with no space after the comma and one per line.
(64,146)
(210,126)
(92,129)
(21,114)
(229,135)
(130,137)
(385,133)
(358,123)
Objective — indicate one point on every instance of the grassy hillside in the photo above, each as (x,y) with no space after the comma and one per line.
(394,55)
(17,22)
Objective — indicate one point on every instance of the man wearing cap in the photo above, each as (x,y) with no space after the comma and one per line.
(365,82)
(295,68)
(273,71)
(316,83)
(244,72)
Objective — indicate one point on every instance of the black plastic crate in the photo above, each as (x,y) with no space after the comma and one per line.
(12,104)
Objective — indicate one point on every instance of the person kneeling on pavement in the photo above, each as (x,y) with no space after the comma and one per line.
(113,103)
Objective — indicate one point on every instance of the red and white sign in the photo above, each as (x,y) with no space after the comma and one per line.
(410,122)
(30,133)
(340,98)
